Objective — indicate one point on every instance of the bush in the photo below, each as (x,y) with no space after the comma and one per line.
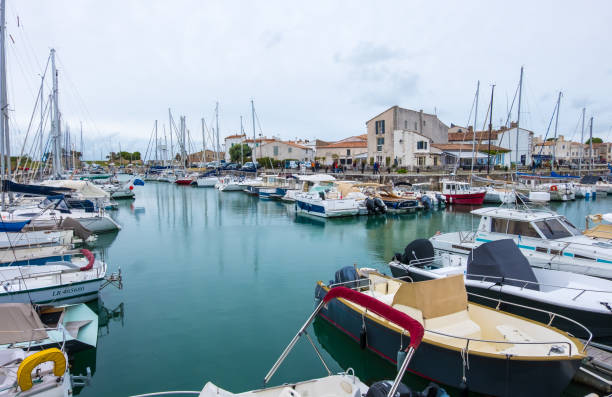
(401,170)
(371,161)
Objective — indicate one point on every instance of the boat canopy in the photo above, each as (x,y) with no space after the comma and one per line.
(85,188)
(590,179)
(19,322)
(10,186)
(501,259)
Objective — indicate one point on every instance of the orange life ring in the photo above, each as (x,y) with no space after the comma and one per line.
(554,188)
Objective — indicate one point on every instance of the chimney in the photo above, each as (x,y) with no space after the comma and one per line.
(421,121)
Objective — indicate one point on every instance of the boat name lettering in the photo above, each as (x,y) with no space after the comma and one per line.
(67,291)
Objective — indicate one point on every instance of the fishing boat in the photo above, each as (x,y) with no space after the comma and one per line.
(500,271)
(344,384)
(74,327)
(70,281)
(457,192)
(465,345)
(430,199)
(331,200)
(52,377)
(547,239)
(393,202)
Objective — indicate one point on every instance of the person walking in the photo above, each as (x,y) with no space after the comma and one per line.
(362,167)
(375,167)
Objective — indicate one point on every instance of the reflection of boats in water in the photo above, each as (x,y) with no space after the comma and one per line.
(106,315)
(83,362)
(104,240)
(369,366)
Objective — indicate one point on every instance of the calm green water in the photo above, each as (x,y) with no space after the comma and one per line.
(216,284)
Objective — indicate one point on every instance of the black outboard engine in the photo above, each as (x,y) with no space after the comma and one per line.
(345,275)
(380,205)
(382,389)
(426,200)
(421,250)
(369,202)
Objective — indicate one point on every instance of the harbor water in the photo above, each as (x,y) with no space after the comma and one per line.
(216,285)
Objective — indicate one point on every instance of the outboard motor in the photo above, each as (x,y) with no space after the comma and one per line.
(420,249)
(426,202)
(370,205)
(380,205)
(345,275)
(382,389)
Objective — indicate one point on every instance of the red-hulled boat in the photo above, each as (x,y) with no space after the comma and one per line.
(186,180)
(462,193)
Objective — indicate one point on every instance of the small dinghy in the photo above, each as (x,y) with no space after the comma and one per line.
(465,345)
(345,384)
(500,272)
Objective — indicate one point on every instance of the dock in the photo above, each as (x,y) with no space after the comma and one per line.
(596,369)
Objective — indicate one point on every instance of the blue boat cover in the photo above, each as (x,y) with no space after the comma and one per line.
(9,186)
(138,182)
(12,226)
(501,259)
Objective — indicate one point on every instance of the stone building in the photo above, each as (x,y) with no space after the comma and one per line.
(382,128)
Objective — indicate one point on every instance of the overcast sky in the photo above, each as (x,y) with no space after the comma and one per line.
(316,69)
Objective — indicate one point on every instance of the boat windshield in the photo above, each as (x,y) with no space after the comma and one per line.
(553,229)
(573,229)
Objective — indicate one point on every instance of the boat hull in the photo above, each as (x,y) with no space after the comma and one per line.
(184,182)
(78,292)
(465,199)
(485,374)
(322,211)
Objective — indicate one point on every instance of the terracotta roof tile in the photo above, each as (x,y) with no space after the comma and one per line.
(466,147)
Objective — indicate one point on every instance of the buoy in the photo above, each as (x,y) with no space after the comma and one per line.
(131,187)
(363,338)
(554,188)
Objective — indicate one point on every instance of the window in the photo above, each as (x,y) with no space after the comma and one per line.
(415,126)
(569,226)
(421,160)
(424,122)
(379,144)
(421,145)
(348,152)
(289,150)
(380,127)
(405,124)
(499,225)
(435,161)
(552,229)
(522,229)
(275,150)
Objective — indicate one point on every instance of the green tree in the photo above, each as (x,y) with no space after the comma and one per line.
(595,140)
(235,152)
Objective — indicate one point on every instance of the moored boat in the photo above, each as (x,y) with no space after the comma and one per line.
(547,239)
(500,271)
(457,192)
(465,344)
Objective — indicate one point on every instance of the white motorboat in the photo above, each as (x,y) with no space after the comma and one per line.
(547,239)
(583,191)
(229,184)
(207,181)
(500,271)
(33,239)
(69,281)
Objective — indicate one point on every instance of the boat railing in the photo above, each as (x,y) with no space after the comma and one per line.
(437,262)
(467,339)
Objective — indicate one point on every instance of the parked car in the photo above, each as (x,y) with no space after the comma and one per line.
(232,166)
(250,166)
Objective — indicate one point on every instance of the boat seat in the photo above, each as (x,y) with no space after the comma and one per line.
(456,324)
(513,334)
(411,311)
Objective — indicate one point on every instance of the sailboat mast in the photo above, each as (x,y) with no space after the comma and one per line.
(518,123)
(490,129)
(55,122)
(474,131)
(556,125)
(581,144)
(217,128)
(171,142)
(3,102)
(591,146)
(81,140)
(241,144)
(254,139)
(156,141)
(203,142)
